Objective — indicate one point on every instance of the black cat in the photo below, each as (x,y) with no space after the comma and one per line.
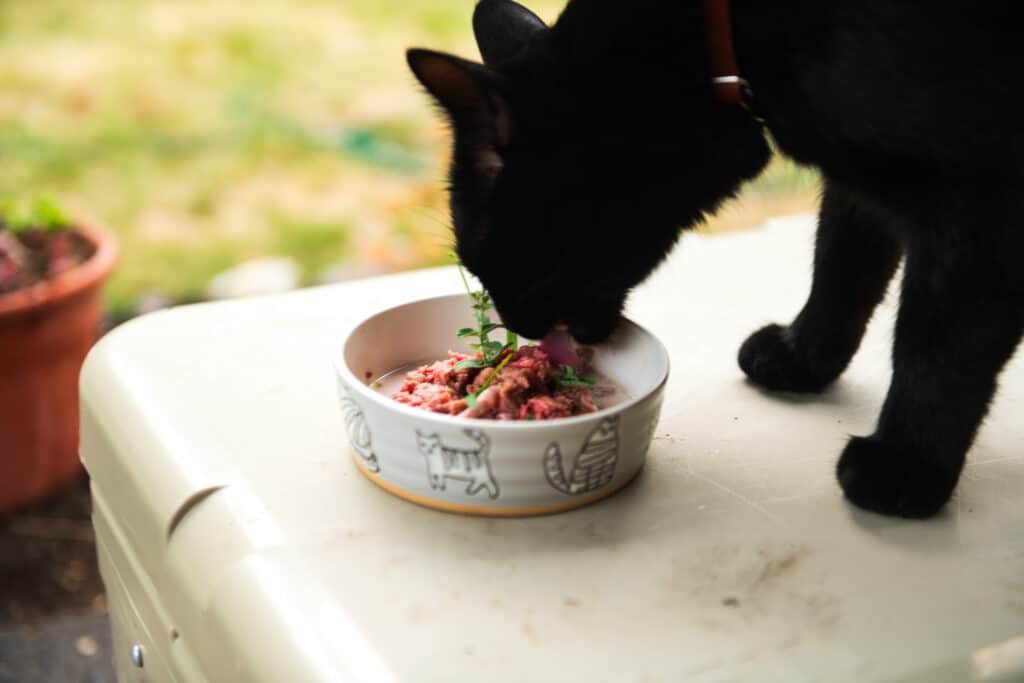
(581,149)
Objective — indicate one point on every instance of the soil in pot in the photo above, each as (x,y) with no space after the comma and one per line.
(31,256)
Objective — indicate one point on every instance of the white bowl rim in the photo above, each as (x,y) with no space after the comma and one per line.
(387,403)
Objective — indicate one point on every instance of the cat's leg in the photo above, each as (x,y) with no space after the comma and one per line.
(433,477)
(961,317)
(482,480)
(856,255)
(486,475)
(438,472)
(489,484)
(492,487)
(477,479)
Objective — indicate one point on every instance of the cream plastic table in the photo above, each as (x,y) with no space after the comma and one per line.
(239,543)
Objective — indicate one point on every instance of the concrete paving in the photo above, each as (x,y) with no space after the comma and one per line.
(54,626)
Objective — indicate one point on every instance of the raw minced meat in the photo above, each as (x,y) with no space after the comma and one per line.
(526,388)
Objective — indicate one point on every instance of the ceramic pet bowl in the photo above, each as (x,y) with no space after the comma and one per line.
(491,467)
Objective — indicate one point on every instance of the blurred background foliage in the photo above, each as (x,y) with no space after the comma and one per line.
(206,133)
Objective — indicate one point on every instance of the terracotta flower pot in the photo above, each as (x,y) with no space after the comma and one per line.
(45,332)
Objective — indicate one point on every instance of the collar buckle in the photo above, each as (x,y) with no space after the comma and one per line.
(727,87)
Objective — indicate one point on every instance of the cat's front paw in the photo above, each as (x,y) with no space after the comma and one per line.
(771,360)
(894,482)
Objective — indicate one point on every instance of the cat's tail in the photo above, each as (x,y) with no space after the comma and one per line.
(553,469)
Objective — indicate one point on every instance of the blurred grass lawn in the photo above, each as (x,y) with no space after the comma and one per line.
(205,133)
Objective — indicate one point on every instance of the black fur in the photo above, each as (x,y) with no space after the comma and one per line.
(582,149)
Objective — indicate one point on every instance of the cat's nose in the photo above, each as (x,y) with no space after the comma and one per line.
(529,322)
(530,328)
(594,330)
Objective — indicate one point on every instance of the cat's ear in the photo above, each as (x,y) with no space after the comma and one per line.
(503,28)
(468,91)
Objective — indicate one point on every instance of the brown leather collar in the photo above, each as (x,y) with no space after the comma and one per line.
(726,85)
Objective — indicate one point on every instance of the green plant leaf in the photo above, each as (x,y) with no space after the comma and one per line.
(493,347)
(569,378)
(18,216)
(494,375)
(491,351)
(472,402)
(42,213)
(48,215)
(472,364)
(576,383)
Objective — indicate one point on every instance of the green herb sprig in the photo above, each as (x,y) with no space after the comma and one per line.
(569,379)
(491,351)
(471,399)
(493,354)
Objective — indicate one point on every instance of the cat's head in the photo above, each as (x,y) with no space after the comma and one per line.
(571,176)
(427,443)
